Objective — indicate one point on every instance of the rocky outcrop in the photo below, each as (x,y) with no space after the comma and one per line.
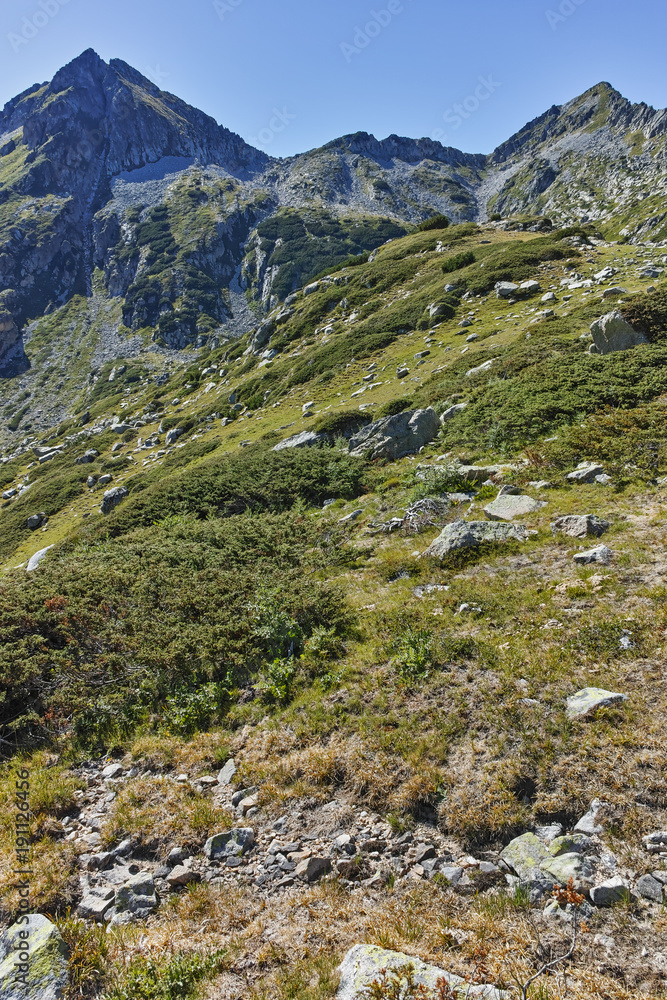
(33,961)
(393,437)
(612,332)
(471,534)
(366,963)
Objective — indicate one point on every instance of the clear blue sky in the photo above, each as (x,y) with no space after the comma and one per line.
(241,60)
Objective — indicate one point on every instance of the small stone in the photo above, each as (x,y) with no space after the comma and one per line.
(549,833)
(424,852)
(105,480)
(601,554)
(571,843)
(345,844)
(452,873)
(35,561)
(182,876)
(351,517)
(650,888)
(95,904)
(246,804)
(614,890)
(313,869)
(227,773)
(505,289)
(586,702)
(176,856)
(232,842)
(585,473)
(136,899)
(112,498)
(524,854)
(112,771)
(589,824)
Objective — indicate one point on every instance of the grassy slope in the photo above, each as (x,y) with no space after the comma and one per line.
(405,705)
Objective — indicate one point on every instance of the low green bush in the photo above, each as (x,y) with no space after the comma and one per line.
(394,406)
(341,424)
(126,632)
(435,222)
(256,479)
(648,313)
(458,261)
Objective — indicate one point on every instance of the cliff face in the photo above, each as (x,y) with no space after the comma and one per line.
(100,169)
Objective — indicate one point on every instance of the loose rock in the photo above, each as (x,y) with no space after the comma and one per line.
(580,525)
(469,534)
(587,701)
(507,507)
(600,554)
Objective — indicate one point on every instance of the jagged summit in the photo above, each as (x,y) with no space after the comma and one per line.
(91,161)
(111,114)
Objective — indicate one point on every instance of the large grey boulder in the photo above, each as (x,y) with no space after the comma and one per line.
(365,963)
(580,525)
(507,507)
(33,961)
(470,534)
(612,332)
(306,439)
(393,437)
(112,498)
(585,472)
(506,289)
(173,435)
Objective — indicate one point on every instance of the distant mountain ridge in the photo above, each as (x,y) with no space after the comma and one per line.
(104,174)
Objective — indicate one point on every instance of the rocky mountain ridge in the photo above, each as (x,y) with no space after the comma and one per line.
(118,195)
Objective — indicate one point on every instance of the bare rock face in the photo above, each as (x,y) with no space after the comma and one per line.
(612,332)
(9,333)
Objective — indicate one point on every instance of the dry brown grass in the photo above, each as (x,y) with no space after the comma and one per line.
(161,813)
